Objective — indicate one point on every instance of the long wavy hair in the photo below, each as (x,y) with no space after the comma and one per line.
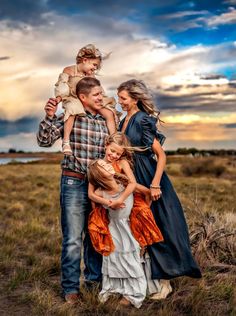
(137,90)
(122,140)
(96,177)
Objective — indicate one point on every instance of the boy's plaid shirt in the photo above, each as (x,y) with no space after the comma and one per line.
(87,139)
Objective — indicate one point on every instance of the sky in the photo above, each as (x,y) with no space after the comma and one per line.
(185,52)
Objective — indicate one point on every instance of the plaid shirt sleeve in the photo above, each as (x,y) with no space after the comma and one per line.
(50,130)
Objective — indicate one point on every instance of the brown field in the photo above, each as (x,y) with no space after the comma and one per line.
(30,241)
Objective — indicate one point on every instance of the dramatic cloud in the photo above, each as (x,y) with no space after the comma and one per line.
(184,52)
(224,18)
(24,125)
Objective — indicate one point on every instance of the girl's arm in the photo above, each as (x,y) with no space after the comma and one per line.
(132,182)
(119,203)
(155,185)
(96,196)
(146,192)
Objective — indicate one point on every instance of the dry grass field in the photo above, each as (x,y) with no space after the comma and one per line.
(30,242)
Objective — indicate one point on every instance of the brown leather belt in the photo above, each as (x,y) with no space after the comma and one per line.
(73,174)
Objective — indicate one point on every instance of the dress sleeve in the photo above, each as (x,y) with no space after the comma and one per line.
(150,131)
(62,88)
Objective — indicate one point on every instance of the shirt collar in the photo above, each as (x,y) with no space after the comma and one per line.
(90,115)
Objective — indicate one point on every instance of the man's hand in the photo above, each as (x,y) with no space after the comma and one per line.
(51,107)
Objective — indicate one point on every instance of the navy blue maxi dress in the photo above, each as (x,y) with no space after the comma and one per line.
(172,257)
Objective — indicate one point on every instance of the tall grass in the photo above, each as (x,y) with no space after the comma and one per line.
(30,241)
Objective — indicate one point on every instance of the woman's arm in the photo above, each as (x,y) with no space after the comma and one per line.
(96,196)
(155,185)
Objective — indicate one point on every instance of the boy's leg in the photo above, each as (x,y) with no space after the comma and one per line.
(74,206)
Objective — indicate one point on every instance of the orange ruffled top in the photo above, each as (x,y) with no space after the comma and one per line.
(142,225)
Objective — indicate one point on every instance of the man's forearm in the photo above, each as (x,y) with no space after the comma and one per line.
(50,129)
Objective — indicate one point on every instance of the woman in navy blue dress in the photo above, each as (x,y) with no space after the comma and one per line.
(172,257)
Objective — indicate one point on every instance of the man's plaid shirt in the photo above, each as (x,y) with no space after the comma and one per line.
(87,139)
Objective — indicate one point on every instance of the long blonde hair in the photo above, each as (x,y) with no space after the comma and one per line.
(137,90)
(122,140)
(96,177)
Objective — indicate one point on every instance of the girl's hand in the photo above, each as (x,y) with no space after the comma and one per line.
(93,204)
(148,198)
(155,194)
(109,202)
(51,107)
(117,204)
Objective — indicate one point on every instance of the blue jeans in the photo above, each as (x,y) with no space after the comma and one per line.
(75,208)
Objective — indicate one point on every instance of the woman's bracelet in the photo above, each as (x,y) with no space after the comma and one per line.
(155,186)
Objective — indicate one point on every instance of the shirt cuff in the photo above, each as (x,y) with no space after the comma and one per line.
(49,120)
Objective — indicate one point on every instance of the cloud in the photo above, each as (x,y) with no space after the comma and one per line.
(25,11)
(34,13)
(222,19)
(26,142)
(24,125)
(197,99)
(4,58)
(232,125)
(197,135)
(181,21)
(212,76)
(37,45)
(27,79)
(232,2)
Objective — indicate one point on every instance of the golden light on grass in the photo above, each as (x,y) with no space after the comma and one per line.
(31,244)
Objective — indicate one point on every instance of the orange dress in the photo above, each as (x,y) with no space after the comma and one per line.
(142,225)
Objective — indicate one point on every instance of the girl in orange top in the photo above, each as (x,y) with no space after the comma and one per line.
(118,154)
(113,234)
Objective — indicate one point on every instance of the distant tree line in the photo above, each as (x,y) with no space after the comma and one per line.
(180,151)
(201,152)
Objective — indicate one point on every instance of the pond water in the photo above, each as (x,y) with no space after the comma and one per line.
(5,161)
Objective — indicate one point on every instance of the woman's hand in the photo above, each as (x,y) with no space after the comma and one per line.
(155,193)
